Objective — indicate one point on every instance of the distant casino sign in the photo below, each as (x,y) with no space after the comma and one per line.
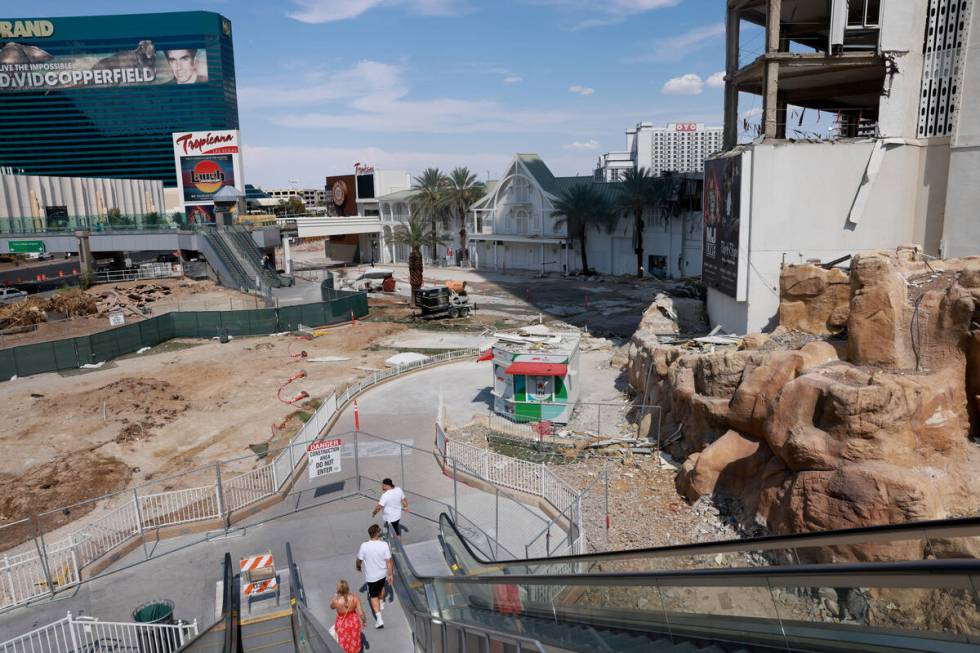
(207,162)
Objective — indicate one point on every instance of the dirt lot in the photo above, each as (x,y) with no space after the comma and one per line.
(183,405)
(156,296)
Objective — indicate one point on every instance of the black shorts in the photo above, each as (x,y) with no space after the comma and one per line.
(397,526)
(375,587)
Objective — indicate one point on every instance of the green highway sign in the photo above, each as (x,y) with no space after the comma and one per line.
(25,246)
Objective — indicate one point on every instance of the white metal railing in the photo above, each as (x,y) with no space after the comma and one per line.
(531,478)
(179,506)
(87,635)
(250,487)
(24,576)
(154,271)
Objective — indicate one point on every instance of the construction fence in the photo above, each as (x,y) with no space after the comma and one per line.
(72,353)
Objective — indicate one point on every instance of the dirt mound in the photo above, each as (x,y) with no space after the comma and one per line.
(139,404)
(56,483)
(34,310)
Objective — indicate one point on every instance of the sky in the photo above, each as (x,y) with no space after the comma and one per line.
(408,84)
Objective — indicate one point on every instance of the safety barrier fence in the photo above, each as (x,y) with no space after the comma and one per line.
(85,634)
(142,273)
(71,353)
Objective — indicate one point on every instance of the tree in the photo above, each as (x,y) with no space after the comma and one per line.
(429,200)
(462,190)
(115,218)
(581,207)
(296,206)
(416,233)
(638,189)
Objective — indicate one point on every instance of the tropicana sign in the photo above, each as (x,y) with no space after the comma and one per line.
(19,29)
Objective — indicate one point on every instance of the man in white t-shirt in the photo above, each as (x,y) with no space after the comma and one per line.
(374,559)
(391,504)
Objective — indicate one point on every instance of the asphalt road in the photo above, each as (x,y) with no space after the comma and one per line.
(25,277)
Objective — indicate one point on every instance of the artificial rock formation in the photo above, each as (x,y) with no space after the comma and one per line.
(807,441)
(813,299)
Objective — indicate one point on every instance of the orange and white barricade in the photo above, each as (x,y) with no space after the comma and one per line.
(258,576)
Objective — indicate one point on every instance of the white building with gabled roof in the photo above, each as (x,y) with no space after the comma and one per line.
(513,227)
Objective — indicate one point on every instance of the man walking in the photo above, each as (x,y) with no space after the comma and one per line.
(374,559)
(391,504)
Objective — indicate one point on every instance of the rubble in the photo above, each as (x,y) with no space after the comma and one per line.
(132,299)
(811,434)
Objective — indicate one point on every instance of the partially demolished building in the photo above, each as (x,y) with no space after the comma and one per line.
(895,80)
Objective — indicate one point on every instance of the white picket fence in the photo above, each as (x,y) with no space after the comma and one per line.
(85,634)
(24,577)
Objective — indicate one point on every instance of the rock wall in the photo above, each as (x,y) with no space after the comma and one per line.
(873,431)
(813,299)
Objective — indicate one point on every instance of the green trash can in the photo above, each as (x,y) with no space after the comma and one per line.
(156,640)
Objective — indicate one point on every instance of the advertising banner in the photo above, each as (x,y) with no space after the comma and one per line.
(722,195)
(203,176)
(206,162)
(200,213)
(28,67)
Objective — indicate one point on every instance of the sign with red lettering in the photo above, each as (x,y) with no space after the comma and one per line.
(206,162)
(686,126)
(323,457)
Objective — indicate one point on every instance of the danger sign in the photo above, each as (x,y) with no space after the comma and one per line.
(323,457)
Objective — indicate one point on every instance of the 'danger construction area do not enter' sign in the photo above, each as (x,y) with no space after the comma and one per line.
(324,457)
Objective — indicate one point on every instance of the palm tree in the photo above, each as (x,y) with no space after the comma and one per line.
(429,199)
(462,190)
(580,207)
(638,189)
(416,233)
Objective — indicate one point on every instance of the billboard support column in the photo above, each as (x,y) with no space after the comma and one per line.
(287,257)
(85,261)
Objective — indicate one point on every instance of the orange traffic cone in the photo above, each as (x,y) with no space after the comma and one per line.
(353,320)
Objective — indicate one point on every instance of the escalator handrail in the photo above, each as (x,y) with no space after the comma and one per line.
(962,527)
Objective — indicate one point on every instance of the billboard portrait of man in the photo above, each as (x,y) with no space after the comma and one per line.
(186,67)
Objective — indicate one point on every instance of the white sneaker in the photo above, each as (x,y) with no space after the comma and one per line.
(380,622)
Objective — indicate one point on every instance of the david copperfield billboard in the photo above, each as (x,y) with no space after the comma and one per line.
(29,63)
(207,162)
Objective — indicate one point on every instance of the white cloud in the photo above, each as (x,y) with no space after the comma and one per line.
(513,79)
(273,166)
(680,46)
(328,11)
(372,80)
(689,84)
(581,90)
(591,144)
(752,113)
(605,12)
(717,80)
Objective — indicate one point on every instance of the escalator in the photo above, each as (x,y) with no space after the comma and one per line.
(790,593)
(284,625)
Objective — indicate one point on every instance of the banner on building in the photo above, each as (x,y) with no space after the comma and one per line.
(206,162)
(721,206)
(203,176)
(28,67)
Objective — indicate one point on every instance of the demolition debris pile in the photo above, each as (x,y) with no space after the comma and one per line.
(808,431)
(35,310)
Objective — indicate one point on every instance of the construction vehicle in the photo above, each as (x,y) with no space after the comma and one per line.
(442,302)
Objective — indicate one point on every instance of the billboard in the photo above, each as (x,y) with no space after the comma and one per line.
(340,195)
(722,207)
(30,67)
(207,162)
(203,176)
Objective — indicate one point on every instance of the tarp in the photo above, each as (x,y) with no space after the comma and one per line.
(526,368)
